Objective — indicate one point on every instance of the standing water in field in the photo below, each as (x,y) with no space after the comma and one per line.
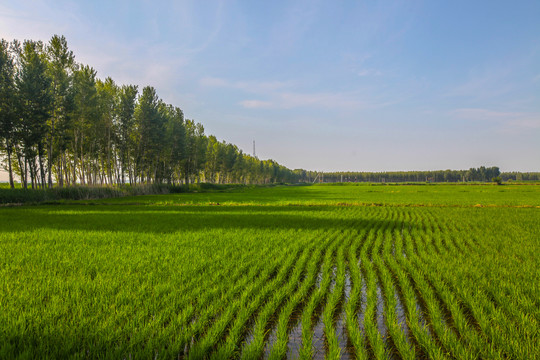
(455,266)
(381,325)
(347,351)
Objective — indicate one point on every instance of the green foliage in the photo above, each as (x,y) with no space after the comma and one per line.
(61,65)
(64,125)
(34,105)
(8,105)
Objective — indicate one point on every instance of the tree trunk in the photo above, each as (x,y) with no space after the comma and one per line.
(61,171)
(10,170)
(41,168)
(31,165)
(49,170)
(25,173)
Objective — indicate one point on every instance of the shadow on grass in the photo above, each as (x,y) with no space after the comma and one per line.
(33,345)
(170,219)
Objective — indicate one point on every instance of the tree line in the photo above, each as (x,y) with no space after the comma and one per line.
(480,174)
(61,124)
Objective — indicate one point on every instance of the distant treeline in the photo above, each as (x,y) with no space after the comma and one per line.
(60,124)
(520,176)
(473,174)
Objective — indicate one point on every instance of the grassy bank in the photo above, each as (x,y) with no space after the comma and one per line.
(33,196)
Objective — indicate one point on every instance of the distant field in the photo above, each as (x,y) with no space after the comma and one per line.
(356,194)
(415,271)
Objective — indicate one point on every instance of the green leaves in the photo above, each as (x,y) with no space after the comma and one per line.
(66,126)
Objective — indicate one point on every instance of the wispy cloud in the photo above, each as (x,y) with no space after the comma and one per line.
(256,87)
(298,18)
(218,24)
(290,100)
(256,104)
(510,120)
(503,78)
(368,72)
(280,95)
(39,21)
(486,86)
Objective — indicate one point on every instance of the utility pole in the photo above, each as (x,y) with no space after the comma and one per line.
(254,149)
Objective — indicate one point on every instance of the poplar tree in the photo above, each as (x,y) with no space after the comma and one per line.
(150,134)
(84,127)
(61,64)
(35,104)
(57,119)
(126,102)
(8,116)
(107,103)
(175,144)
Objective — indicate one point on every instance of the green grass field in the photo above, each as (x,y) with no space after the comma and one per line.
(354,194)
(394,271)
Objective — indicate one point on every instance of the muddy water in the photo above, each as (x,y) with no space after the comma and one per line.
(363,304)
(381,325)
(401,315)
(295,325)
(295,337)
(347,350)
(319,345)
(272,338)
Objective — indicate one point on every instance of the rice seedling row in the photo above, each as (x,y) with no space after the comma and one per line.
(269,281)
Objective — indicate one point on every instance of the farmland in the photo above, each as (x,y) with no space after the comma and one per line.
(393,271)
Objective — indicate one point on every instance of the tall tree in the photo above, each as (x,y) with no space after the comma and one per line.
(35,101)
(61,63)
(83,146)
(150,134)
(175,142)
(107,103)
(196,144)
(8,114)
(58,120)
(127,99)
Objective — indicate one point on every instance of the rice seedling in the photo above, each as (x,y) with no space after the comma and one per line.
(346,271)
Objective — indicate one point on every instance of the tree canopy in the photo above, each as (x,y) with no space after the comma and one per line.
(61,124)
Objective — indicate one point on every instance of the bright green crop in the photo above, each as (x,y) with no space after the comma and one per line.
(415,271)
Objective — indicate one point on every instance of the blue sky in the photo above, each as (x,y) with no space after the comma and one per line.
(324,85)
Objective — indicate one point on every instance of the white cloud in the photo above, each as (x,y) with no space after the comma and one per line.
(256,104)
(510,120)
(325,100)
(290,100)
(213,82)
(278,95)
(368,72)
(482,114)
(36,21)
(297,19)
(256,87)
(218,25)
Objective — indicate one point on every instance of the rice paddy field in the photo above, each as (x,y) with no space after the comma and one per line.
(284,272)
